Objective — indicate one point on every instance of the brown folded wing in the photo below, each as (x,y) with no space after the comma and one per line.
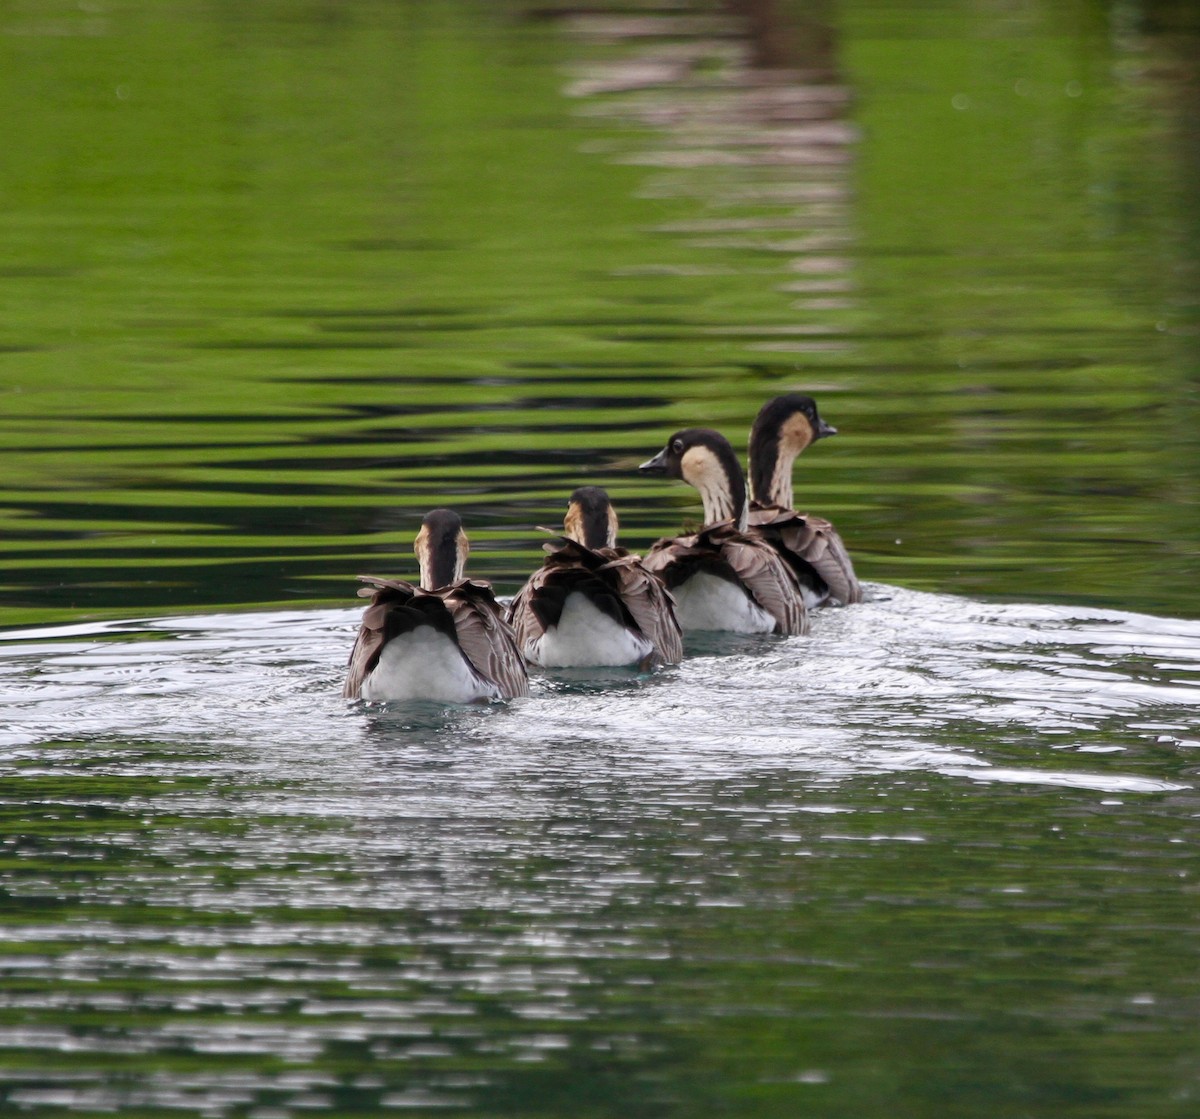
(485,637)
(468,609)
(525,624)
(650,603)
(747,560)
(812,547)
(385,594)
(647,602)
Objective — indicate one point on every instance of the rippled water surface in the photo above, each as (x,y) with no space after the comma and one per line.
(278,277)
(923,854)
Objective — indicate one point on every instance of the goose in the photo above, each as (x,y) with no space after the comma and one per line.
(592,603)
(810,545)
(722,577)
(444,640)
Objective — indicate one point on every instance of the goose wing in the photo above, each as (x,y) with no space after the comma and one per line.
(526,625)
(768,579)
(484,637)
(568,567)
(670,557)
(649,603)
(813,547)
(725,552)
(386,595)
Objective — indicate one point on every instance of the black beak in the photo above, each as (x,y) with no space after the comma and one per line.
(824,429)
(656,465)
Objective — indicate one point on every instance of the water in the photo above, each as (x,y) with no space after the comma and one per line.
(935,841)
(279,278)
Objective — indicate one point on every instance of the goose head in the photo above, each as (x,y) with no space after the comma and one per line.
(704,459)
(784,427)
(441,549)
(591,520)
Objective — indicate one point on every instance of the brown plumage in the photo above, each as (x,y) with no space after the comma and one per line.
(622,615)
(810,545)
(723,576)
(397,653)
(813,549)
(746,563)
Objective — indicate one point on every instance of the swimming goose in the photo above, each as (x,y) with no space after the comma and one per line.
(810,545)
(592,603)
(722,578)
(445,640)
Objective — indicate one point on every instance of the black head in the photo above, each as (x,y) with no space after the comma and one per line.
(783,428)
(674,459)
(792,415)
(703,458)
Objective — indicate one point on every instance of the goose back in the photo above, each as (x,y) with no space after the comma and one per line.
(745,562)
(465,613)
(614,583)
(813,549)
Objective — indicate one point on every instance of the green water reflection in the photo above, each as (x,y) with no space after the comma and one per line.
(278,279)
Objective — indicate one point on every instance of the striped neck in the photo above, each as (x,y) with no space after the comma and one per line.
(591,519)
(715,473)
(441,548)
(440,568)
(771,473)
